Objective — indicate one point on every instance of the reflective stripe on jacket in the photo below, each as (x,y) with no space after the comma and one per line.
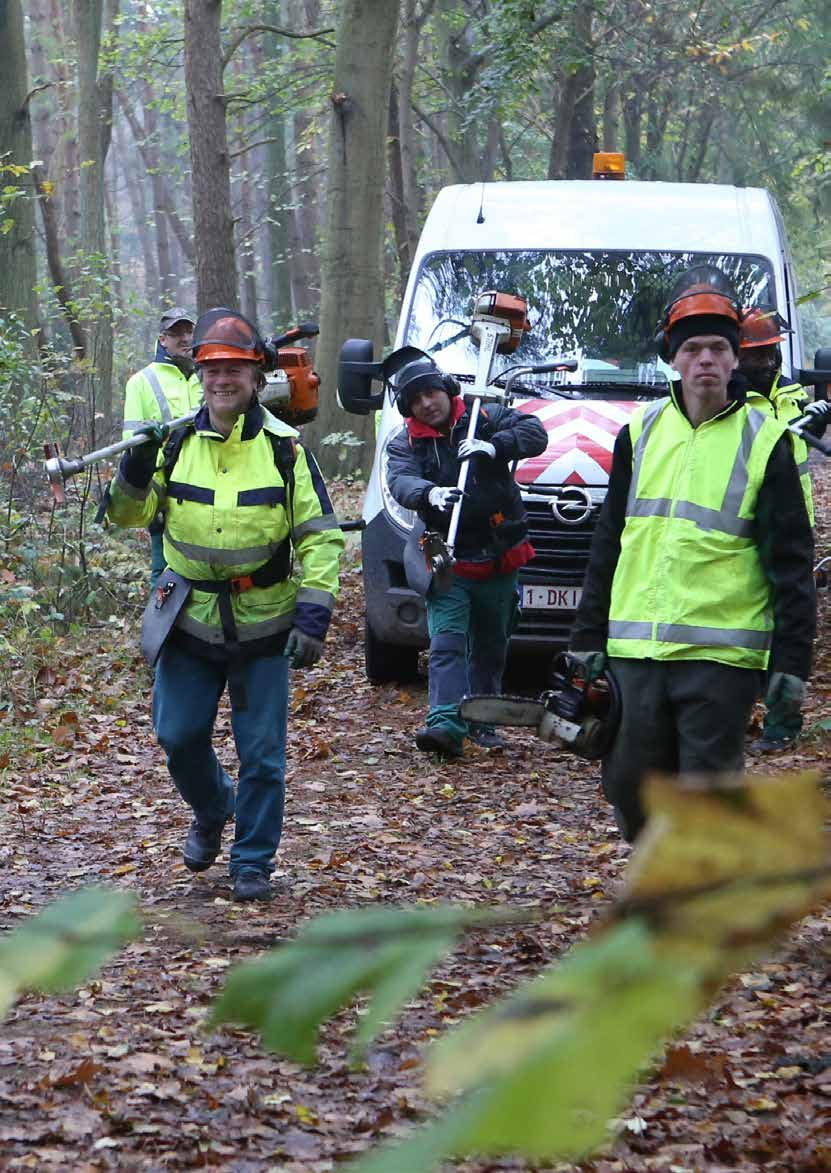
(159,392)
(689,582)
(787,403)
(226,515)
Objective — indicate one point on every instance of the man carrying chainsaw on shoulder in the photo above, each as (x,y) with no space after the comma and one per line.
(700,577)
(241,495)
(469,624)
(166,388)
(760,361)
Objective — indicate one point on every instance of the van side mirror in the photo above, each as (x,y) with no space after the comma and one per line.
(820,377)
(822,362)
(356,370)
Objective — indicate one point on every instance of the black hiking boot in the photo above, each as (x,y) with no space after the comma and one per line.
(487,737)
(251,884)
(202,846)
(435,740)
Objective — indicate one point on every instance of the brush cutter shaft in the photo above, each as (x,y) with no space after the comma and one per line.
(488,335)
(59,469)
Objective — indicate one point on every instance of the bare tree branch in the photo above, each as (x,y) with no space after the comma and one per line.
(251,29)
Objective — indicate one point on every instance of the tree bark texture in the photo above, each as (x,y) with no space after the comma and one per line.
(95,102)
(213,224)
(352,301)
(18,272)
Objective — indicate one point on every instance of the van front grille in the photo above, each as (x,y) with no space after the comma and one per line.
(562,551)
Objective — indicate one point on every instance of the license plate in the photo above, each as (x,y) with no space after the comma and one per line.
(550,598)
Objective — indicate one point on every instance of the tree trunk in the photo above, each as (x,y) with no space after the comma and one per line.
(95,95)
(65,167)
(213,224)
(303,227)
(611,117)
(632,117)
(410,193)
(352,301)
(135,183)
(456,50)
(167,279)
(18,271)
(161,187)
(396,196)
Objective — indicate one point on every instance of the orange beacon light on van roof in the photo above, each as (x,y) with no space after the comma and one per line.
(608,165)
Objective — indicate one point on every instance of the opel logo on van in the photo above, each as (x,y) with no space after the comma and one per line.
(572,505)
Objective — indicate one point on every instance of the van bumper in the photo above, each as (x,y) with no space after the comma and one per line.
(395,612)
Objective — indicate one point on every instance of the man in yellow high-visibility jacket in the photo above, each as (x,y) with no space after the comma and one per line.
(165,389)
(760,361)
(241,496)
(700,585)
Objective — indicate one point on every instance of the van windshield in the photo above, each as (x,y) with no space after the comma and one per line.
(600,307)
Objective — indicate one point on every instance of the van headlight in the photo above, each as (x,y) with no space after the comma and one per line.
(405,518)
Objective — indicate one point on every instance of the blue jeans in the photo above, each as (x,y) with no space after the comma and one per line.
(185,702)
(470,626)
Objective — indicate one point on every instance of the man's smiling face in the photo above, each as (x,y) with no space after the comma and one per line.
(229,386)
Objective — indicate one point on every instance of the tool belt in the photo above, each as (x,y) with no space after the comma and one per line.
(172,592)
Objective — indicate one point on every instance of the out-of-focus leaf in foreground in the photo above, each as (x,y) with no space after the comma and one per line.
(384,952)
(66,943)
(720,874)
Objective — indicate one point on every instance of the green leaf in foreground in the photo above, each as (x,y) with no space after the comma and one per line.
(64,944)
(721,872)
(382,951)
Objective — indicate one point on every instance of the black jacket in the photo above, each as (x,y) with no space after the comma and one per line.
(493,516)
(786,550)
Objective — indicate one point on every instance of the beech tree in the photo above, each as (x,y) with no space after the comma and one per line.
(352,295)
(17,218)
(213,221)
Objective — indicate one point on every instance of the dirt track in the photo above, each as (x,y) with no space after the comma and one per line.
(121,1073)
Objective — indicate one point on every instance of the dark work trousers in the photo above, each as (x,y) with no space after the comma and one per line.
(679,716)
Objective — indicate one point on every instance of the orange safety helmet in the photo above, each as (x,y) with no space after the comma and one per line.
(224,333)
(702,292)
(761,328)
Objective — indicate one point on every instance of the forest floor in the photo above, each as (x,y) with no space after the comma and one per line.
(122,1073)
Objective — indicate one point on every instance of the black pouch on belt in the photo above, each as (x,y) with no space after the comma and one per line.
(166,601)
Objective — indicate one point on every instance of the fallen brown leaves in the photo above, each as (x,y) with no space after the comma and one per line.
(122,1074)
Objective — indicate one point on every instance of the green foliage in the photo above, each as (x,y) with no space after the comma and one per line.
(717,877)
(385,952)
(66,943)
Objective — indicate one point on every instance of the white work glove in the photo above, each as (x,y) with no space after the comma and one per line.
(816,417)
(303,650)
(444,497)
(469,448)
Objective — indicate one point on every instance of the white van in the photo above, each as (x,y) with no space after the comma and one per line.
(595,261)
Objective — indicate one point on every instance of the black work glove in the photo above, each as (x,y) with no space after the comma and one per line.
(784,699)
(303,650)
(138,464)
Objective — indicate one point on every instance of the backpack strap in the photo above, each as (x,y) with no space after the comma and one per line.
(173,447)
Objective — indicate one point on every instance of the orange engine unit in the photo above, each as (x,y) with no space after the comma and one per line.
(506,307)
(305,382)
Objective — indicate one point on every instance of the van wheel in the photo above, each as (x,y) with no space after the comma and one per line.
(388,663)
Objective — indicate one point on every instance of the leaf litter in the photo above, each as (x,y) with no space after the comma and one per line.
(123,1074)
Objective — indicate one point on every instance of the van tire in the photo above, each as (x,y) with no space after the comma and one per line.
(388,663)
